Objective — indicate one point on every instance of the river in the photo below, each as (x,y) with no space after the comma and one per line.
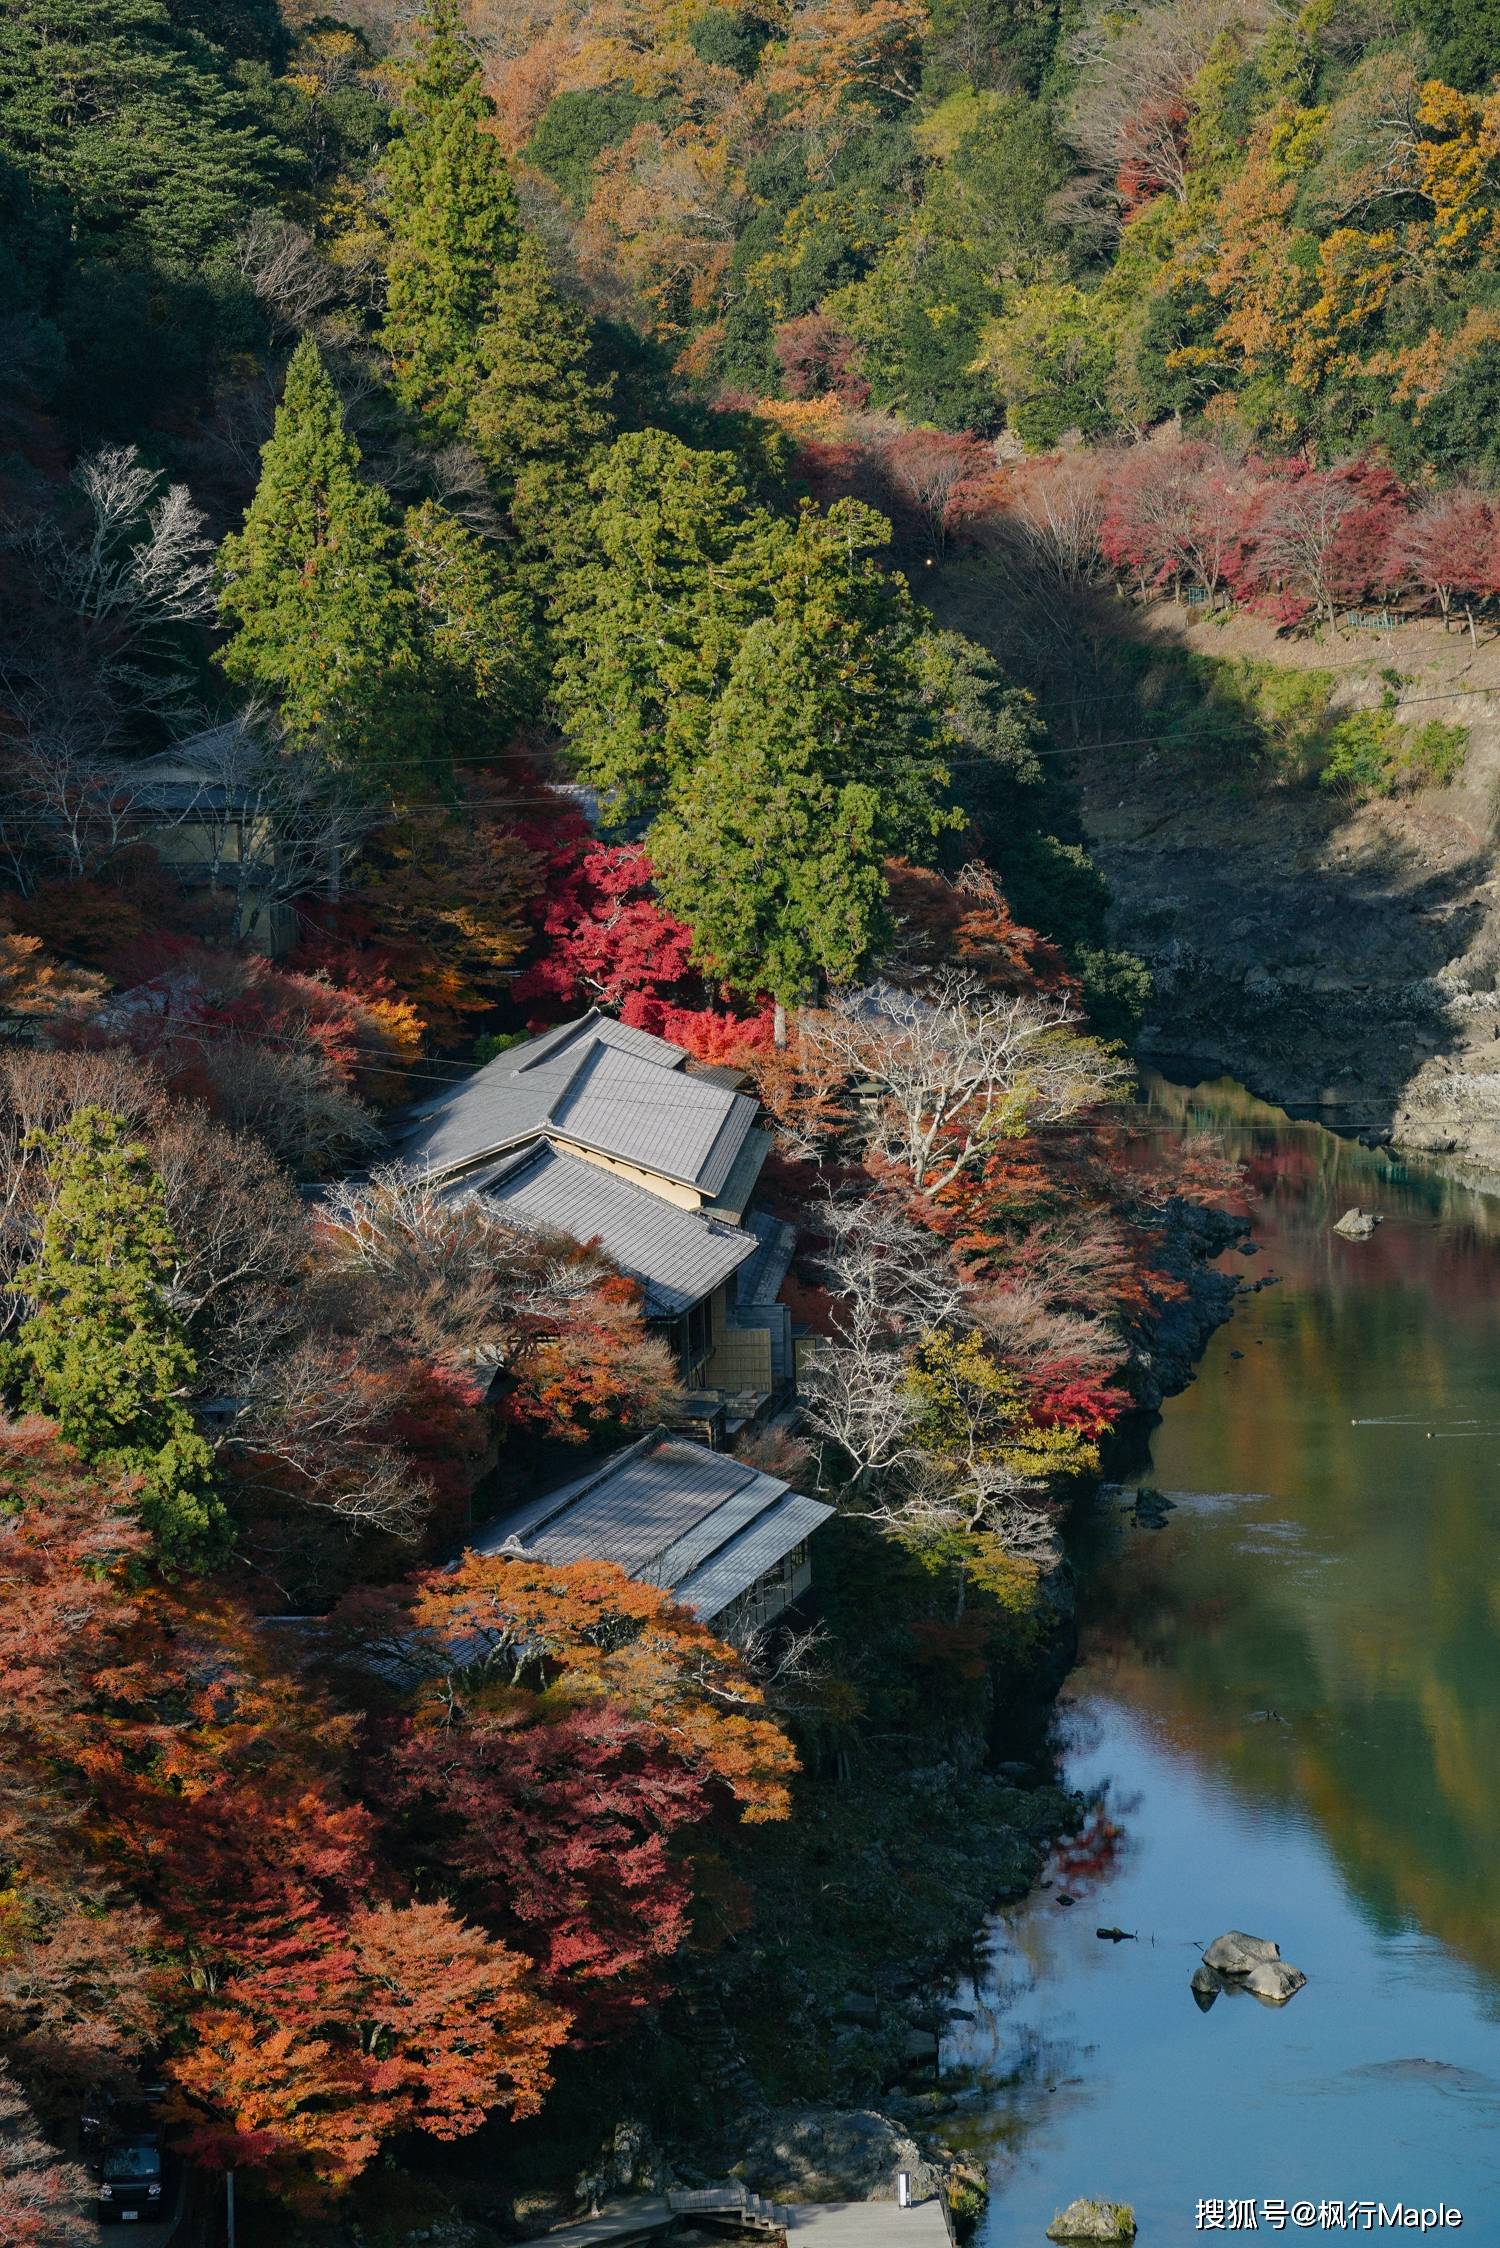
(1287,1714)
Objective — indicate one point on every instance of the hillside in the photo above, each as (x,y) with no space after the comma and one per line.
(1248,260)
(535,974)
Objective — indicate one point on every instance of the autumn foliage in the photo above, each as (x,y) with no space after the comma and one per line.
(186,1841)
(571,1744)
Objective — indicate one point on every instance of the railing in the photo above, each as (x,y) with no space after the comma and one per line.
(1369,620)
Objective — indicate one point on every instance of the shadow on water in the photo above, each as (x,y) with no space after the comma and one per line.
(1288,1711)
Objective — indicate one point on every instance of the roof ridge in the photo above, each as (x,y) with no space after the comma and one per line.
(569,1494)
(548,1042)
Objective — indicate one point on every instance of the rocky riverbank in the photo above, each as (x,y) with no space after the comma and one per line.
(826,2029)
(1336,959)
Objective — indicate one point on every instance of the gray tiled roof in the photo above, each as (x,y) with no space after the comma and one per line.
(600,1084)
(678,1256)
(744,1172)
(702,1524)
(760,1277)
(734,1569)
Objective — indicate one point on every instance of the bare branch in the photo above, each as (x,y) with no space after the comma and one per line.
(955,1067)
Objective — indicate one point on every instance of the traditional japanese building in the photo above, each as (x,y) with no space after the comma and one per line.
(613,1136)
(726,1540)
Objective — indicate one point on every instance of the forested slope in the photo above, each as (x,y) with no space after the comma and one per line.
(402,646)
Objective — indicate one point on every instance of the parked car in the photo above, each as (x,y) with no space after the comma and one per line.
(132,2179)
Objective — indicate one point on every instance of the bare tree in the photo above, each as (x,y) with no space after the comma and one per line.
(272,823)
(241,1245)
(1298,542)
(66,806)
(885,1267)
(282,264)
(892,1283)
(443,1271)
(859,1396)
(310,1429)
(292,1100)
(1045,545)
(929,1498)
(1128,115)
(954,1067)
(1049,533)
(113,577)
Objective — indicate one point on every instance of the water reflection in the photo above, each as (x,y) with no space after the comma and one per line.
(1291,1677)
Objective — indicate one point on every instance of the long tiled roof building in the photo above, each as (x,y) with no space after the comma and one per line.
(616,1137)
(726,1540)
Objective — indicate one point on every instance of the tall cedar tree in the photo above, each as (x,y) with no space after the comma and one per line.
(103,1352)
(652,620)
(773,850)
(322,623)
(451,214)
(482,660)
(539,414)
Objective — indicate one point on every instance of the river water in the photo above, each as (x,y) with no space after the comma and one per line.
(1287,1718)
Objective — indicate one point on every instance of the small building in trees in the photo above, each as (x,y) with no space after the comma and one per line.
(224,811)
(726,1540)
(611,1135)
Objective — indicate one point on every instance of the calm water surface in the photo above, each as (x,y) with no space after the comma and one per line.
(1288,1712)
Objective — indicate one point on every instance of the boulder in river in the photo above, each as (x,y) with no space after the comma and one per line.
(1274,1981)
(1357,1224)
(1093,2220)
(1236,1953)
(1206,1987)
(1239,1962)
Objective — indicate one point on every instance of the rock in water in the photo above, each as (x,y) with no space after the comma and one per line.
(1274,1981)
(1357,1224)
(1093,2220)
(1239,1962)
(1206,1988)
(1236,1953)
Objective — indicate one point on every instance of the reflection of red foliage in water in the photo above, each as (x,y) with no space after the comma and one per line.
(1288,1162)
(1092,1854)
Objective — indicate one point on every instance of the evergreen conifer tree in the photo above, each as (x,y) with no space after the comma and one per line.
(483,666)
(820,764)
(323,624)
(147,136)
(103,1351)
(451,215)
(649,624)
(539,415)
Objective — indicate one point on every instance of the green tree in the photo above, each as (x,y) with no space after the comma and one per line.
(649,625)
(820,764)
(920,314)
(1465,40)
(573,132)
(138,127)
(482,660)
(451,214)
(103,1351)
(539,413)
(312,588)
(1052,355)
